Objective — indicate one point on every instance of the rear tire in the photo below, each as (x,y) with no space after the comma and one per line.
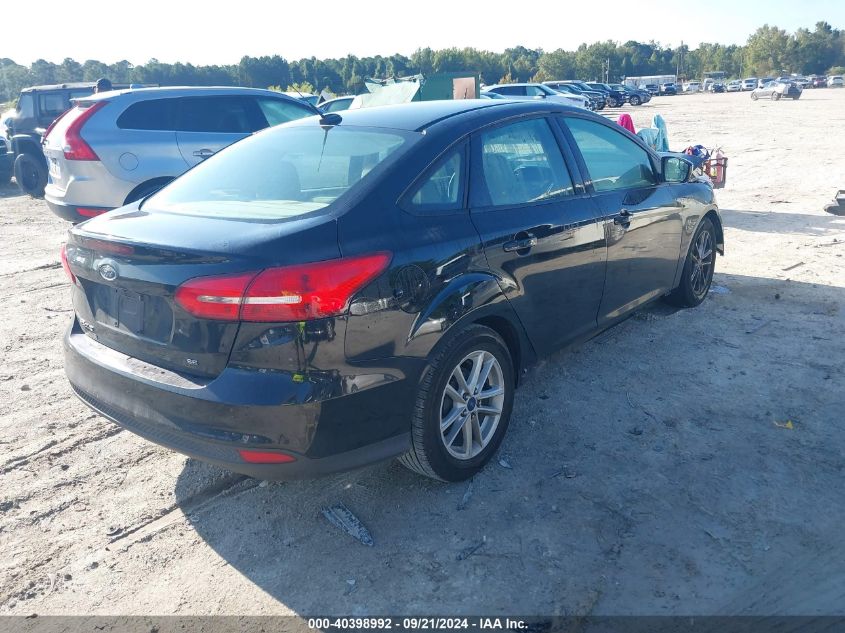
(635,101)
(775,96)
(31,174)
(753,97)
(450,405)
(698,268)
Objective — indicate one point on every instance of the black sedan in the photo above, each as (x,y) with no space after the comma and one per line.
(341,290)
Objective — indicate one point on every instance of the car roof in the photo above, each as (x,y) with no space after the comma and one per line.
(67,86)
(419,115)
(185,91)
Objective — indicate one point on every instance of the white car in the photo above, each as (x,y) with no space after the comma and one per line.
(835,81)
(734,86)
(750,83)
(693,86)
(538,91)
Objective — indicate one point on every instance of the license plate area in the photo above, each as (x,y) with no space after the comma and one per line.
(120,309)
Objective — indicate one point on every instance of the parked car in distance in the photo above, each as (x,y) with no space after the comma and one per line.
(668,89)
(692,86)
(36,109)
(718,87)
(337,104)
(635,96)
(613,97)
(483,94)
(653,89)
(7,161)
(328,294)
(734,85)
(818,81)
(835,81)
(765,80)
(775,90)
(538,91)
(303,96)
(117,147)
(750,83)
(596,99)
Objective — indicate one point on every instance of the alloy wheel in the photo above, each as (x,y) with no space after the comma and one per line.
(702,263)
(471,405)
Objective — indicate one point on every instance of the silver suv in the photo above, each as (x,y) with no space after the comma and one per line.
(117,147)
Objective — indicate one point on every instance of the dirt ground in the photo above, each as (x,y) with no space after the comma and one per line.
(684,462)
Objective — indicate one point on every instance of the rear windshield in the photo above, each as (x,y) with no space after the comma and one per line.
(282,173)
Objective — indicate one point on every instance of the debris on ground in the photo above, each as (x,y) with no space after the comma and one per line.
(467,496)
(785,425)
(469,551)
(340,516)
(504,463)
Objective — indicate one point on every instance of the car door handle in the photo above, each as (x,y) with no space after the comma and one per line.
(203,153)
(526,242)
(623,218)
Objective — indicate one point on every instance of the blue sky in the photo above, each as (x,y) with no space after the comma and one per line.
(218,32)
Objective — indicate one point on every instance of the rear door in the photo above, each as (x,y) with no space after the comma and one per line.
(207,124)
(539,229)
(641,216)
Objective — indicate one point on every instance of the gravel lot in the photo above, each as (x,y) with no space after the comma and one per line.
(684,462)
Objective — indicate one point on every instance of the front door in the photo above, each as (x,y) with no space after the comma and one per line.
(208,124)
(540,230)
(641,216)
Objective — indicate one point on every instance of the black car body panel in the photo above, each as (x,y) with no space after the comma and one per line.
(334,393)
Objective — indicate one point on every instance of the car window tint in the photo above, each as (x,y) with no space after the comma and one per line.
(278,111)
(443,189)
(220,114)
(52,104)
(522,162)
(516,91)
(613,161)
(155,114)
(339,105)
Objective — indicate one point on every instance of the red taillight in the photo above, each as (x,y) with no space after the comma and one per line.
(265,457)
(214,297)
(65,264)
(88,212)
(290,293)
(74,146)
(309,291)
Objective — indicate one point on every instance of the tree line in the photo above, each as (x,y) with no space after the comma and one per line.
(768,51)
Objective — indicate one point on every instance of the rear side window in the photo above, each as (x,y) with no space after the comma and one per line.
(443,189)
(155,114)
(614,161)
(52,104)
(277,111)
(220,114)
(522,163)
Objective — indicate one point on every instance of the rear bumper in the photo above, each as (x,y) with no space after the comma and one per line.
(211,419)
(73,213)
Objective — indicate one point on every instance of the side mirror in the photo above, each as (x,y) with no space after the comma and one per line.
(676,169)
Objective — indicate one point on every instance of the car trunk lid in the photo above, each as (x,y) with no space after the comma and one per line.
(129,263)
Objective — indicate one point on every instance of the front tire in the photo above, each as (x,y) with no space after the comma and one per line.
(753,97)
(698,268)
(463,406)
(31,174)
(775,96)
(635,101)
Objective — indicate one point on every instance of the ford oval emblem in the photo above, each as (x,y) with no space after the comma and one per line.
(108,272)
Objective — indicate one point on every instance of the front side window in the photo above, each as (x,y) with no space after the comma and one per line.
(220,114)
(613,161)
(281,173)
(511,91)
(26,106)
(521,163)
(443,188)
(278,111)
